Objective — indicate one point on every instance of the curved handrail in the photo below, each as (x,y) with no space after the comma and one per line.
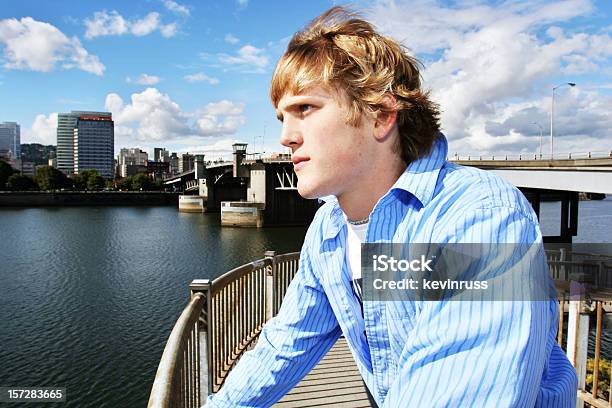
(164,386)
(222,320)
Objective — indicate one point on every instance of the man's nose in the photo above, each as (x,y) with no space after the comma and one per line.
(290,135)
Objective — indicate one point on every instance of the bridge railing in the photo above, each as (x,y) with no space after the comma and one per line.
(225,316)
(533,156)
(222,320)
(582,308)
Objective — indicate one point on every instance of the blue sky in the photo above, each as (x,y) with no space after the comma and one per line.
(194,75)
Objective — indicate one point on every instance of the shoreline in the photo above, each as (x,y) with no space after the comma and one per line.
(86,198)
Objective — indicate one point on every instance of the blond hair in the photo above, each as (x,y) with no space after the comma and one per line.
(346,54)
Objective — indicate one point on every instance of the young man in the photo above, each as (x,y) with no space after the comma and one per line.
(365,137)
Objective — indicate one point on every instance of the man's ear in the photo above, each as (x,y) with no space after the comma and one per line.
(385,120)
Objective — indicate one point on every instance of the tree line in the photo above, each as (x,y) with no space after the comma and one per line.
(49,178)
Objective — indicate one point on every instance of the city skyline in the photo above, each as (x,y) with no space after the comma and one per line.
(194,77)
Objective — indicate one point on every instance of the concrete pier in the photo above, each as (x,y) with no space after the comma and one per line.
(242,214)
(192,204)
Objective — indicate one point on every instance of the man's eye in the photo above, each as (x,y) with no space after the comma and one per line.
(304,108)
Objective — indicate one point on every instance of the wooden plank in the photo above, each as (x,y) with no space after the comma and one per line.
(324,393)
(321,402)
(322,386)
(328,381)
(335,381)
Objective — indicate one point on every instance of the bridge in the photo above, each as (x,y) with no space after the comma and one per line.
(254,191)
(225,316)
(589,172)
(263,191)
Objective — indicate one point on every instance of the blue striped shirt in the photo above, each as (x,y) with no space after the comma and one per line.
(414,354)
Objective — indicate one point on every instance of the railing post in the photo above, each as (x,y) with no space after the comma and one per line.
(562,270)
(577,342)
(270,286)
(205,375)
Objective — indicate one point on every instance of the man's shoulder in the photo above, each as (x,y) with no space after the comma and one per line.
(472,189)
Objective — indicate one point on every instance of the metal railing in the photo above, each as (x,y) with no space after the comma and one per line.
(177,383)
(532,156)
(222,320)
(594,271)
(225,316)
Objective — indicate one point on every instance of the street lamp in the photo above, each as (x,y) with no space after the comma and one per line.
(552,115)
(541,131)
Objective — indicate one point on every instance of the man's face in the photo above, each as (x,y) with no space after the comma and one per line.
(329,155)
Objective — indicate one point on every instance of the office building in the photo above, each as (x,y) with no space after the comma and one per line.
(186,162)
(158,169)
(10,139)
(28,169)
(94,144)
(85,141)
(174,164)
(132,161)
(161,155)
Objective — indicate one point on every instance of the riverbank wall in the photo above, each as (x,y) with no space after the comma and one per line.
(86,198)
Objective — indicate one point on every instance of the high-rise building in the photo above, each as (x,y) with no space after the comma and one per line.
(186,162)
(174,164)
(94,144)
(132,161)
(161,155)
(10,139)
(85,140)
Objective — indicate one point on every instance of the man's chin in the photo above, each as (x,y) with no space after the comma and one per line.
(307,192)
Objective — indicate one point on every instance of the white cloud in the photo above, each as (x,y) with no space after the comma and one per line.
(242,4)
(177,8)
(43,130)
(224,108)
(231,39)
(219,149)
(221,118)
(248,59)
(199,77)
(34,45)
(146,25)
(105,24)
(145,79)
(168,30)
(491,66)
(153,116)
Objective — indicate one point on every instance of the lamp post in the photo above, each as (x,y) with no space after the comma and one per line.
(541,131)
(552,115)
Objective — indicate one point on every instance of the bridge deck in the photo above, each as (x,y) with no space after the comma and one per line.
(335,381)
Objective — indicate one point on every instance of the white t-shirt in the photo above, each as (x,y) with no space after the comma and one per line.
(355,237)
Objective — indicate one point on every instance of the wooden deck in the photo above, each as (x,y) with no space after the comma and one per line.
(335,381)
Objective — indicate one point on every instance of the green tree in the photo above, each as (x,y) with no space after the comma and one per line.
(19,182)
(49,178)
(142,182)
(124,183)
(81,180)
(95,182)
(6,171)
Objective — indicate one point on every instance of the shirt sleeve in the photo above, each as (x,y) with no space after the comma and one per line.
(483,353)
(289,345)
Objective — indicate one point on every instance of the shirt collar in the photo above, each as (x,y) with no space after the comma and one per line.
(420,177)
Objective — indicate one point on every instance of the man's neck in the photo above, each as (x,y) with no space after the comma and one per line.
(358,203)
